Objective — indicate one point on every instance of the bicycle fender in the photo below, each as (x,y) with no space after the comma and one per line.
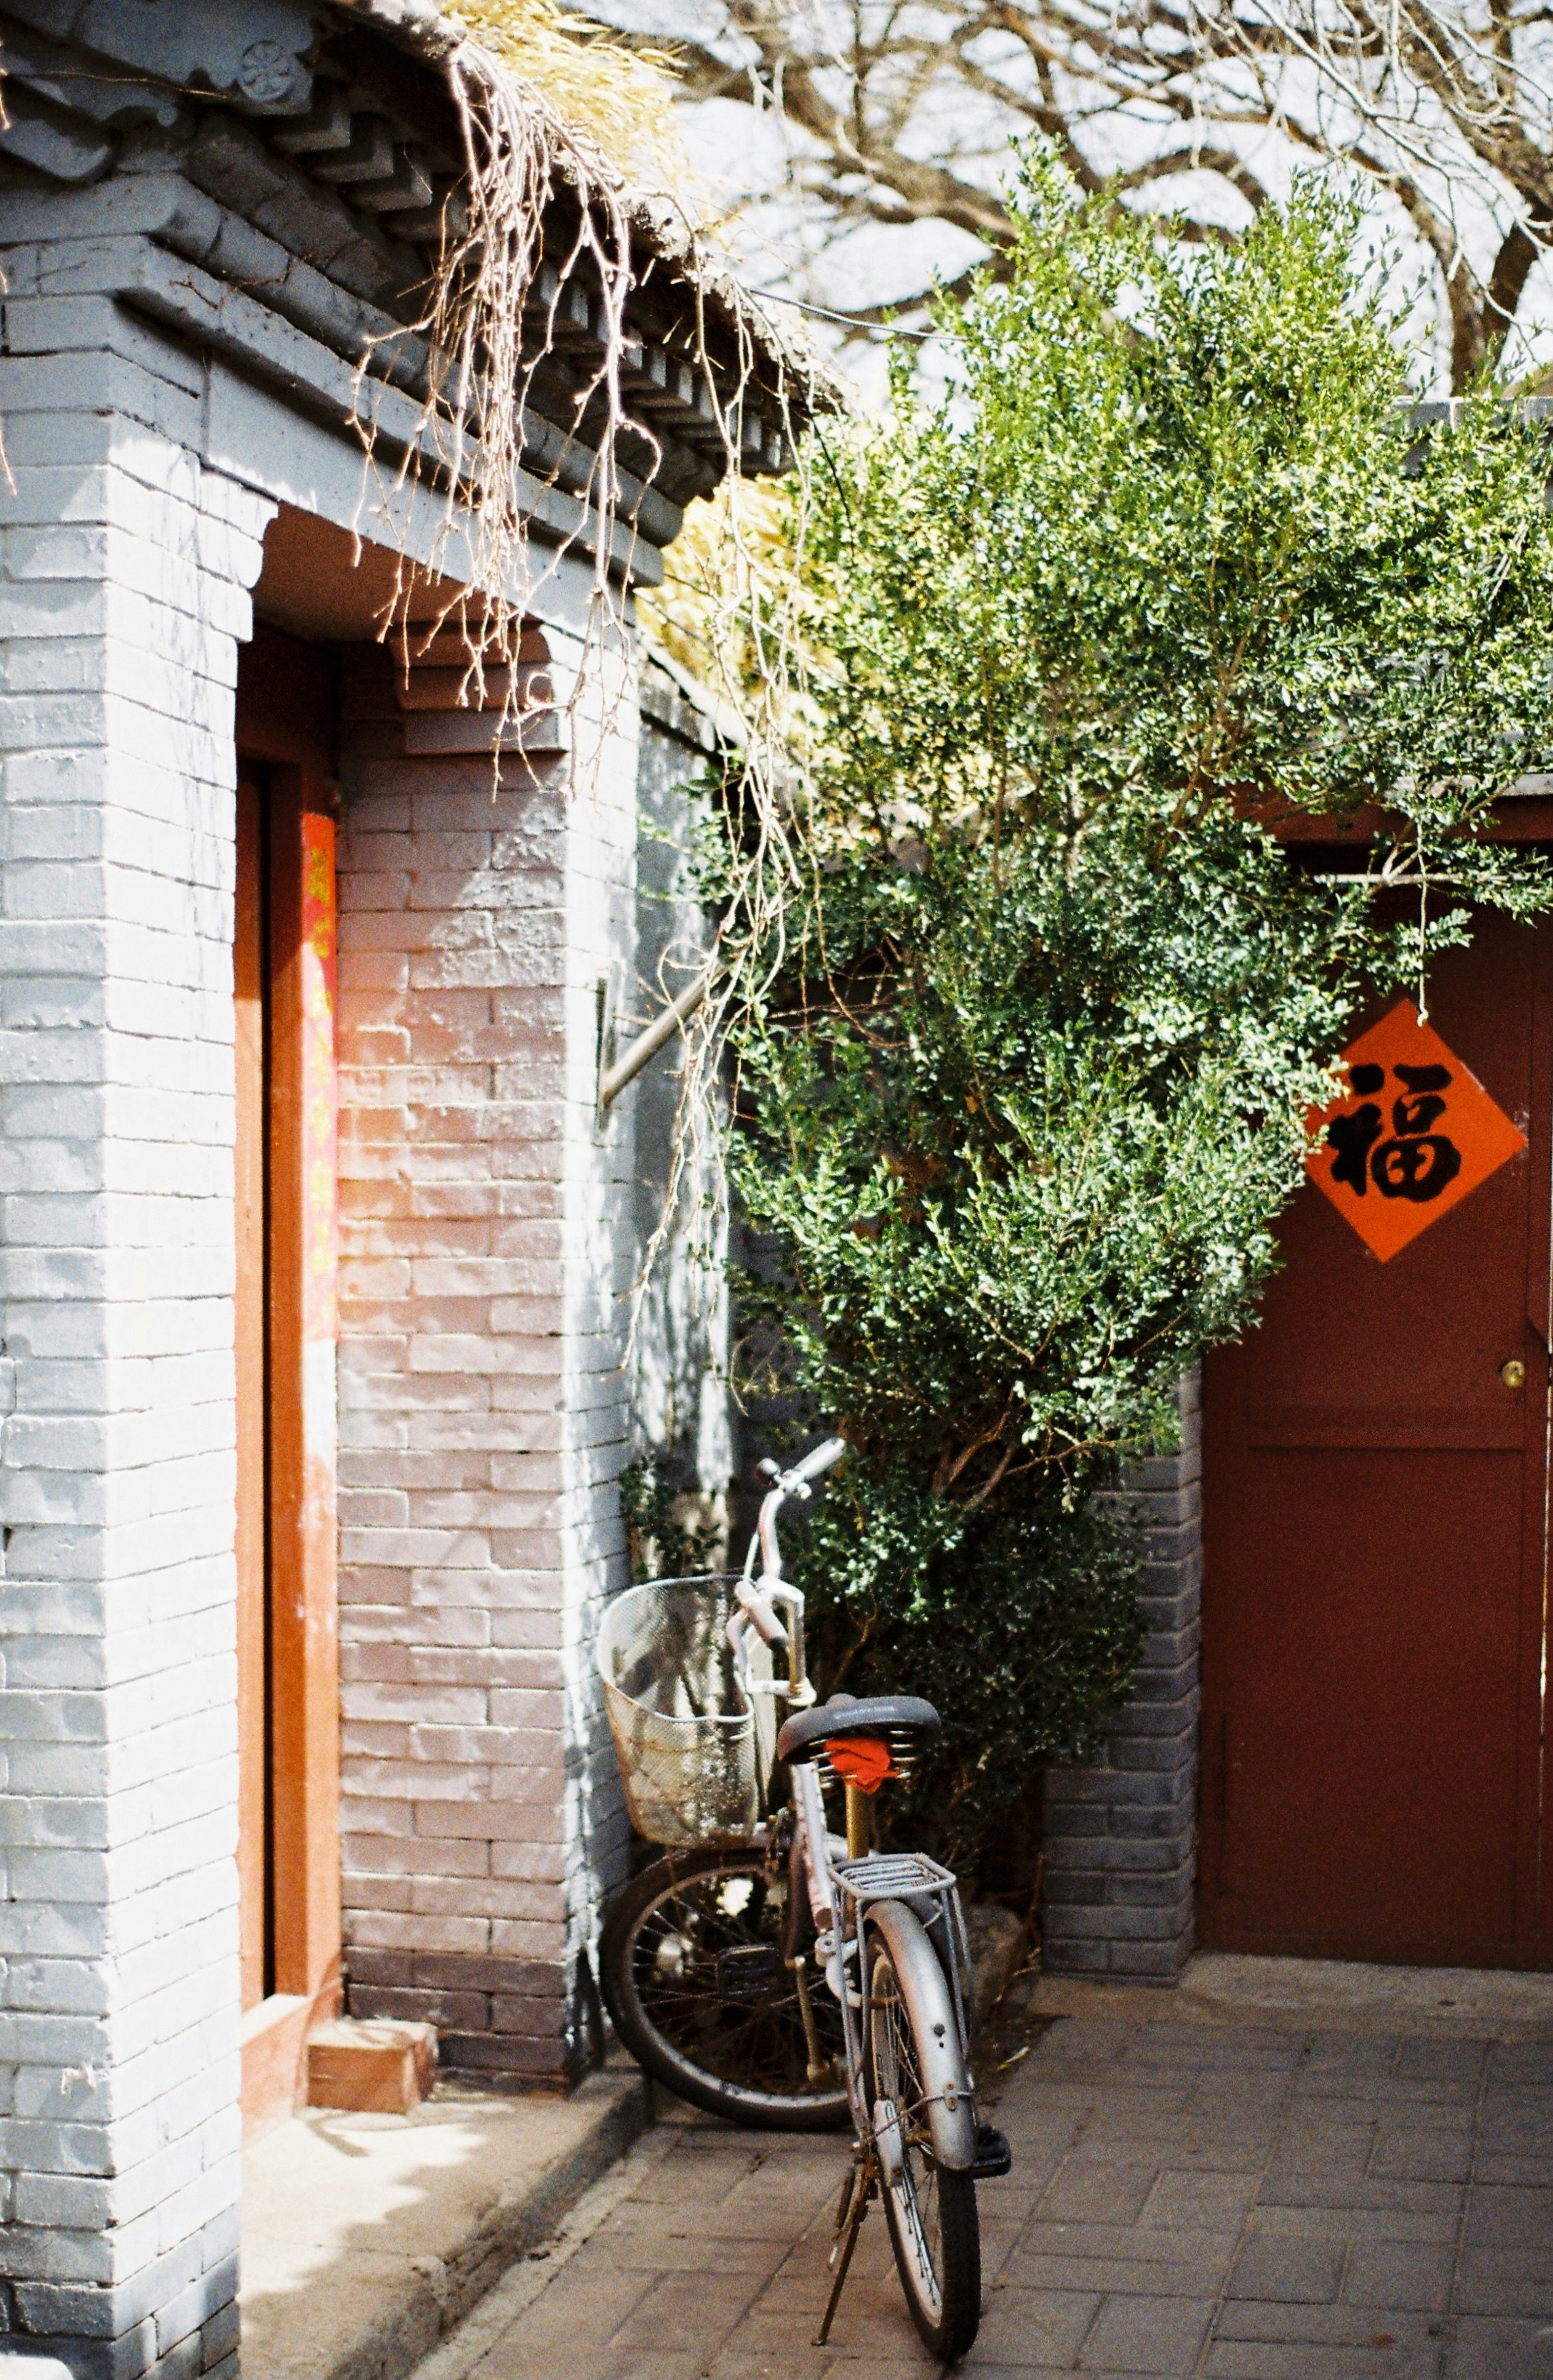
(925,1989)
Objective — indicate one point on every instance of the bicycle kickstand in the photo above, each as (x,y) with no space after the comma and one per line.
(864,2182)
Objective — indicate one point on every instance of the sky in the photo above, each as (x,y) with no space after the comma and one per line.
(743,156)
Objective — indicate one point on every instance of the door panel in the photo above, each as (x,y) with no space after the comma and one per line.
(285,1323)
(250,970)
(1374,1540)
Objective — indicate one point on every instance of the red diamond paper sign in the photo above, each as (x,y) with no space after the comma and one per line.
(1415,1134)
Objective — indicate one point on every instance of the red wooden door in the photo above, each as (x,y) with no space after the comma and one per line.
(1375,1550)
(286,1232)
(251,989)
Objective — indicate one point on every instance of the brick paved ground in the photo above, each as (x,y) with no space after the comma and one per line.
(1239,2202)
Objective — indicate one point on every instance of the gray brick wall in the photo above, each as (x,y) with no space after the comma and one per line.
(1120,1837)
(124,570)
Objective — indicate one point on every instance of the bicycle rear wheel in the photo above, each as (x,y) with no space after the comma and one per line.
(932,2212)
(692,1972)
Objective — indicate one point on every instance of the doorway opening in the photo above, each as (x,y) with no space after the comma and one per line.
(251,1038)
(285,1176)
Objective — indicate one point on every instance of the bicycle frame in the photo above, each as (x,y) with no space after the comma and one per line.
(844,1890)
(881,1931)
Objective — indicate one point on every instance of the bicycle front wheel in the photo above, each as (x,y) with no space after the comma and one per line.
(692,1972)
(931,2212)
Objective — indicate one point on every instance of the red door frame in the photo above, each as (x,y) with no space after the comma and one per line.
(289,1756)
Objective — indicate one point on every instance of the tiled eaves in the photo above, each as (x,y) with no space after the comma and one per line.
(662,223)
(348,170)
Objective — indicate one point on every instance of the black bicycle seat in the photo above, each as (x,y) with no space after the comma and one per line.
(807,1731)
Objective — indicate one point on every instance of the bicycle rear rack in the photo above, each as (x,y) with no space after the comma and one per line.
(932,1894)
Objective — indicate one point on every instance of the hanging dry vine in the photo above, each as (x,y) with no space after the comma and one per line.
(475,433)
(494,303)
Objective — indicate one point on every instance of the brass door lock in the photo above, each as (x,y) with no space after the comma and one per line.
(1513,1374)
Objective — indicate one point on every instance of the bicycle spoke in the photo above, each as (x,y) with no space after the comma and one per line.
(930,2208)
(686,1949)
(916,2189)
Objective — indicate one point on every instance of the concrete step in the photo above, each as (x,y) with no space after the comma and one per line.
(367,2238)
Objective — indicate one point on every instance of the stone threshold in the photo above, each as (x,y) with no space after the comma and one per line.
(367,2238)
(1329,1994)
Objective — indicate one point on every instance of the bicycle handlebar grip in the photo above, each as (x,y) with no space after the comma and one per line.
(820,1460)
(752,1601)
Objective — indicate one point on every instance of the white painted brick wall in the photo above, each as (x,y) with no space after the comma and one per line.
(486,1257)
(124,571)
(604,1261)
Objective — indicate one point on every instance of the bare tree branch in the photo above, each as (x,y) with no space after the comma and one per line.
(898,113)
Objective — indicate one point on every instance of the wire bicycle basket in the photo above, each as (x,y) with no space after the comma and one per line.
(695,1752)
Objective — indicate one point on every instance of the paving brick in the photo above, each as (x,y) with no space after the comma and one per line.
(1502,2166)
(697,2302)
(1025,2327)
(1460,2063)
(1135,2335)
(1347,2280)
(1353,2329)
(1088,2190)
(1500,2351)
(1302,2271)
(769,2352)
(1398,2277)
(1438,2152)
(1079,2256)
(1519,2064)
(1299,2360)
(1339,2153)
(1499,2217)
(1201,2201)
(584,2306)
(1512,2282)
(1311,2188)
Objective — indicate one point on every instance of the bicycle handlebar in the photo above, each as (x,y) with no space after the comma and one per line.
(754,1595)
(754,1609)
(813,1464)
(752,1601)
(784,1483)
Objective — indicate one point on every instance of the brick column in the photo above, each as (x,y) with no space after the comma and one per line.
(485,1261)
(124,594)
(1121,1838)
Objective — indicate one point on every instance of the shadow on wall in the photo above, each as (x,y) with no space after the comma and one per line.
(680,1351)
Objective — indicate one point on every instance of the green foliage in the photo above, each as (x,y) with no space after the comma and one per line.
(665,1536)
(1024,1088)
(1019,1625)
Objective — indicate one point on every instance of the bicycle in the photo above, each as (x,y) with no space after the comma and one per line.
(769,1969)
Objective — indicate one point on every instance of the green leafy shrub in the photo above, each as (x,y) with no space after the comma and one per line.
(1019,1624)
(1025,1078)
